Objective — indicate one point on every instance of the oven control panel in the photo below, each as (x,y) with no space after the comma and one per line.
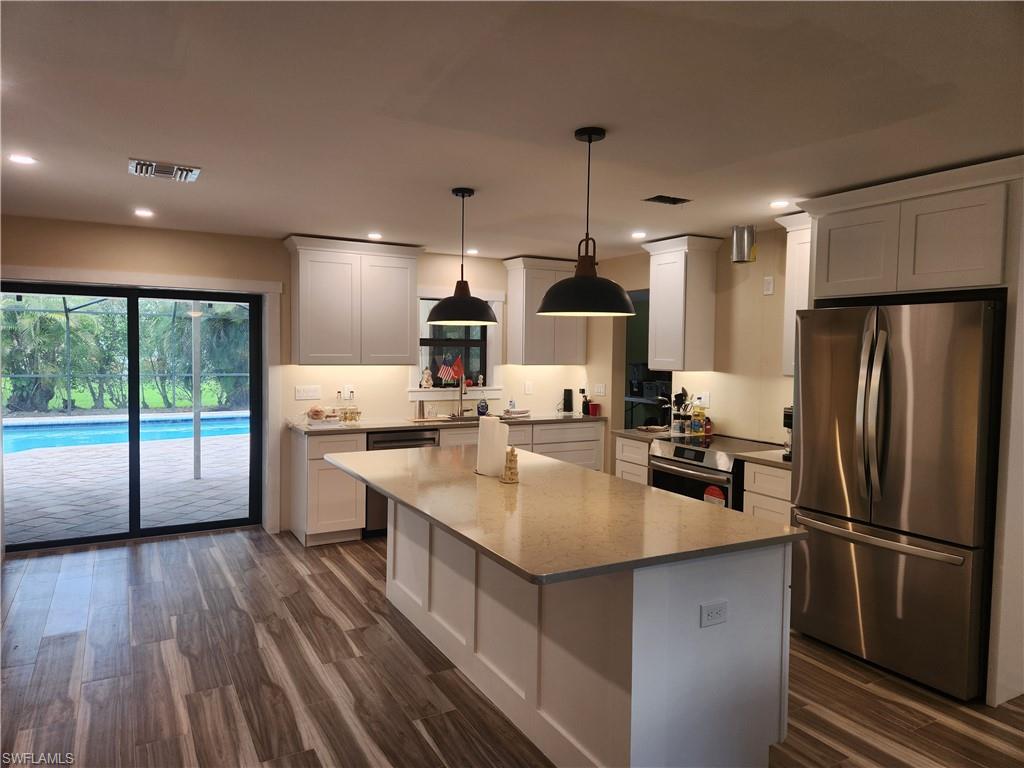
(689,454)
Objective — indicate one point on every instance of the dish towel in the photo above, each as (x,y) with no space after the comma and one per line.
(491,444)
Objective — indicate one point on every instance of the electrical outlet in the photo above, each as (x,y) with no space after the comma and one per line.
(768,285)
(307,392)
(348,392)
(600,390)
(527,387)
(713,613)
(703,399)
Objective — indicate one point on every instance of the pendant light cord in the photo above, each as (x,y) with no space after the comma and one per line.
(462,259)
(590,143)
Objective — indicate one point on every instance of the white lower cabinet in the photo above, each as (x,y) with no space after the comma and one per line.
(326,504)
(767,491)
(766,508)
(631,459)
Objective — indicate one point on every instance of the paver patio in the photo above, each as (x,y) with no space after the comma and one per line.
(75,491)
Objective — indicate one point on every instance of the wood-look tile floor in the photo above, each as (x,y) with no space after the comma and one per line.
(843,712)
(238,648)
(233,648)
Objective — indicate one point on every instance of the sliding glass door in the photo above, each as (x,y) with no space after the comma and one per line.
(128,413)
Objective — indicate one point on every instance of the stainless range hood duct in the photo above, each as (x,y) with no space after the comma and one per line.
(744,248)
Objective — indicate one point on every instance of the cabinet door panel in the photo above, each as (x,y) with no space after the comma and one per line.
(665,332)
(632,472)
(766,508)
(570,340)
(337,502)
(856,252)
(455,437)
(538,331)
(389,311)
(632,451)
(588,454)
(953,240)
(329,309)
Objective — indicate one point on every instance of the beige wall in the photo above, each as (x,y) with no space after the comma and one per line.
(748,390)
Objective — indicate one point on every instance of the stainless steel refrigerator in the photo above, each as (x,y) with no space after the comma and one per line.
(893,452)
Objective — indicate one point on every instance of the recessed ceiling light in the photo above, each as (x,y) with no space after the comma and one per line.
(144,213)
(638,235)
(472,251)
(22,159)
(375,236)
(779,203)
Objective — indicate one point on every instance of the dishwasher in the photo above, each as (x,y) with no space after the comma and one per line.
(377,503)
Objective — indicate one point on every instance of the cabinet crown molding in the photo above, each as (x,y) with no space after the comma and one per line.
(296,243)
(977,175)
(683,243)
(794,222)
(540,262)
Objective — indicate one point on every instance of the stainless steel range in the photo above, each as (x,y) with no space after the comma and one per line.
(701,468)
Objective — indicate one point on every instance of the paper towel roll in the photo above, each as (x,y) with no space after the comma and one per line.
(491,444)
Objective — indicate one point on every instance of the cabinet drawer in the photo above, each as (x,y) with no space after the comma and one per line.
(627,471)
(567,433)
(316,447)
(520,434)
(633,451)
(769,481)
(766,508)
(455,437)
(585,454)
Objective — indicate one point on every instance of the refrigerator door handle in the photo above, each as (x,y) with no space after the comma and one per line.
(862,385)
(874,387)
(863,538)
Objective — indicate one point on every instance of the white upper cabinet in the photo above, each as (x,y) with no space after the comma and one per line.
(798,285)
(534,339)
(857,252)
(353,303)
(681,335)
(940,231)
(954,239)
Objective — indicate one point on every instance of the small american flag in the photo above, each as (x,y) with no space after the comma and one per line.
(445,372)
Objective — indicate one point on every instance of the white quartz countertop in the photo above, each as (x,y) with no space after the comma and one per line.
(560,521)
(395,425)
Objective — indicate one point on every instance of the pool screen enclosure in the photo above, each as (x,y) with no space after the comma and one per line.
(128,412)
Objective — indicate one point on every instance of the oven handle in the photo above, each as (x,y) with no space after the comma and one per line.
(693,474)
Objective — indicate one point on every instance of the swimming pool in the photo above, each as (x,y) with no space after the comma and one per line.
(67,432)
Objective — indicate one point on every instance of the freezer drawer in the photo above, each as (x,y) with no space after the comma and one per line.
(907,604)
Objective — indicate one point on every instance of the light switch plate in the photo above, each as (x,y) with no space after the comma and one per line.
(600,390)
(307,392)
(348,392)
(527,387)
(768,285)
(703,398)
(713,613)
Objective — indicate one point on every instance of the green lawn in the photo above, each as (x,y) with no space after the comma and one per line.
(150,395)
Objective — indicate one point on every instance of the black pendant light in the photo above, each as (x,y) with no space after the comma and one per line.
(585,294)
(461,308)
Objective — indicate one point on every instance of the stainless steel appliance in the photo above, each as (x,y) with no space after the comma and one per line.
(376,503)
(701,468)
(892,477)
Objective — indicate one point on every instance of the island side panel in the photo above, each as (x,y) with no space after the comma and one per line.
(714,695)
(555,659)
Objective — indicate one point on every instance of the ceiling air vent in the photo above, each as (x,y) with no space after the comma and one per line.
(158,170)
(666,200)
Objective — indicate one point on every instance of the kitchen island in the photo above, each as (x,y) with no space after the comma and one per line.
(574,601)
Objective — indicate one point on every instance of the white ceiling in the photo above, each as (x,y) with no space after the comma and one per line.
(342,118)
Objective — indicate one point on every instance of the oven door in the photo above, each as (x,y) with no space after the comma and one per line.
(697,483)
